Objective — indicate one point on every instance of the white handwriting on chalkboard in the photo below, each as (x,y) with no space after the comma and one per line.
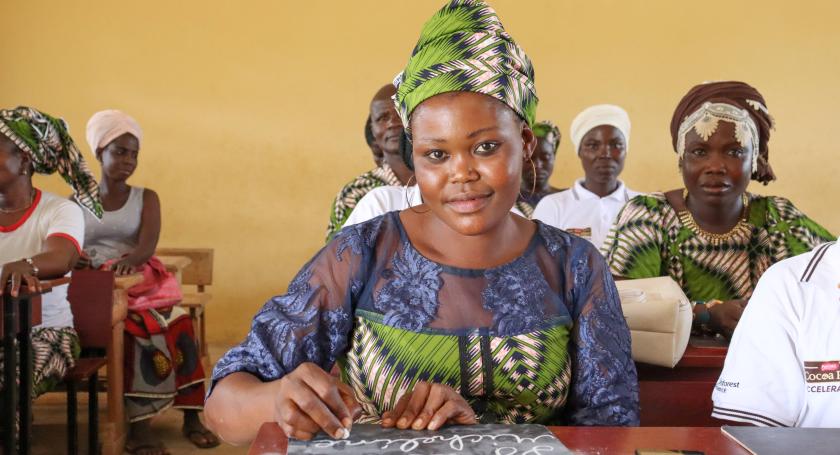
(456,443)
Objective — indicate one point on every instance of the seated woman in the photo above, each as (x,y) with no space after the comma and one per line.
(375,151)
(124,241)
(538,171)
(456,311)
(384,135)
(41,233)
(713,237)
(601,136)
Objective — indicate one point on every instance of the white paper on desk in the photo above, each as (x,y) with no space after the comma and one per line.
(660,322)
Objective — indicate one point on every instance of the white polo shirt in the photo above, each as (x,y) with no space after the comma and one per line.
(783,365)
(49,216)
(582,212)
(384,199)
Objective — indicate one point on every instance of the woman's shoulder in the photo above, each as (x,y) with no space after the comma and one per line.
(374,177)
(653,201)
(50,203)
(149,195)
(363,237)
(770,209)
(647,206)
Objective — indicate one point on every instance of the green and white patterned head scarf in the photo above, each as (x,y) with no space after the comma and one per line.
(48,144)
(465,48)
(544,129)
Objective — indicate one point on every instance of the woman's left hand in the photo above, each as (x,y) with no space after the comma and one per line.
(122,267)
(429,406)
(725,316)
(17,273)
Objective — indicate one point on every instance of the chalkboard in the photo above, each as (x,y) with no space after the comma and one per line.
(456,439)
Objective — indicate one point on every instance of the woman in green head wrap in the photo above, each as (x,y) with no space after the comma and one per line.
(452,312)
(41,234)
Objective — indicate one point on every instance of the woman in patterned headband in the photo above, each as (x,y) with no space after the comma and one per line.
(535,184)
(713,237)
(41,234)
(455,311)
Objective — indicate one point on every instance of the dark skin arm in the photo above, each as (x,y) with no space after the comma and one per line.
(303,402)
(57,258)
(147,238)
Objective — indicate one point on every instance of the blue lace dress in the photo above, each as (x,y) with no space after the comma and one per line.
(540,339)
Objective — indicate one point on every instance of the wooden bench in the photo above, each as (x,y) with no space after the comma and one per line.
(198,272)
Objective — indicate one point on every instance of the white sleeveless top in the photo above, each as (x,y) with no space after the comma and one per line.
(117,233)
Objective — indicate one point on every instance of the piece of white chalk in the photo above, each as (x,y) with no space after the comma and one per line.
(344,433)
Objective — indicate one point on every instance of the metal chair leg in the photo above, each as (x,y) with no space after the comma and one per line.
(93,415)
(72,425)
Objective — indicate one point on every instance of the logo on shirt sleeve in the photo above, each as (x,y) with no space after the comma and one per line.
(817,371)
(723,385)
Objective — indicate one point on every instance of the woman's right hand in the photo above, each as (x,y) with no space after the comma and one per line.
(15,274)
(309,399)
(725,316)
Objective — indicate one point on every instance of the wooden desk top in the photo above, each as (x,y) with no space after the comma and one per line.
(580,440)
(126,281)
(703,357)
(175,263)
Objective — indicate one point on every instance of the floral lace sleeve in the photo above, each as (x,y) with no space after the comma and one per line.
(311,322)
(605,389)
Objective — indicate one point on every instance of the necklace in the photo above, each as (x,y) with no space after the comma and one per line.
(31,201)
(742,227)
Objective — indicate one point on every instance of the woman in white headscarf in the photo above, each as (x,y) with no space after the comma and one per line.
(601,135)
(162,365)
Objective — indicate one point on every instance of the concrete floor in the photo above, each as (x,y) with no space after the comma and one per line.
(49,432)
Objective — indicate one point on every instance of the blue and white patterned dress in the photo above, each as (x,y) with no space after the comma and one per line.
(539,339)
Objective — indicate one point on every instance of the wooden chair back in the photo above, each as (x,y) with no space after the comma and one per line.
(91,296)
(200,271)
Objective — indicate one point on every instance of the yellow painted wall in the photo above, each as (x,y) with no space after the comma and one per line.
(253,111)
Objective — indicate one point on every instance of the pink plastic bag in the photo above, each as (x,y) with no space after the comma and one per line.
(159,288)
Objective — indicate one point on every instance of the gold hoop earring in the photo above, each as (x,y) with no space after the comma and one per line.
(533,181)
(407,201)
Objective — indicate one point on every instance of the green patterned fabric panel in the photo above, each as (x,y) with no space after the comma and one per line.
(527,379)
(649,240)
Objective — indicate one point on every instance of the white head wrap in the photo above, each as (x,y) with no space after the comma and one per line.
(600,114)
(107,125)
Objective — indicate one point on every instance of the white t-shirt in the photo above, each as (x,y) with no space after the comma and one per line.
(49,216)
(582,212)
(783,365)
(384,199)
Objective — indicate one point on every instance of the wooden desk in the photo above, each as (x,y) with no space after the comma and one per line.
(580,440)
(19,315)
(175,264)
(682,396)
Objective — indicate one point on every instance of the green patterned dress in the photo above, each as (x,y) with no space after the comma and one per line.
(649,240)
(538,340)
(350,195)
